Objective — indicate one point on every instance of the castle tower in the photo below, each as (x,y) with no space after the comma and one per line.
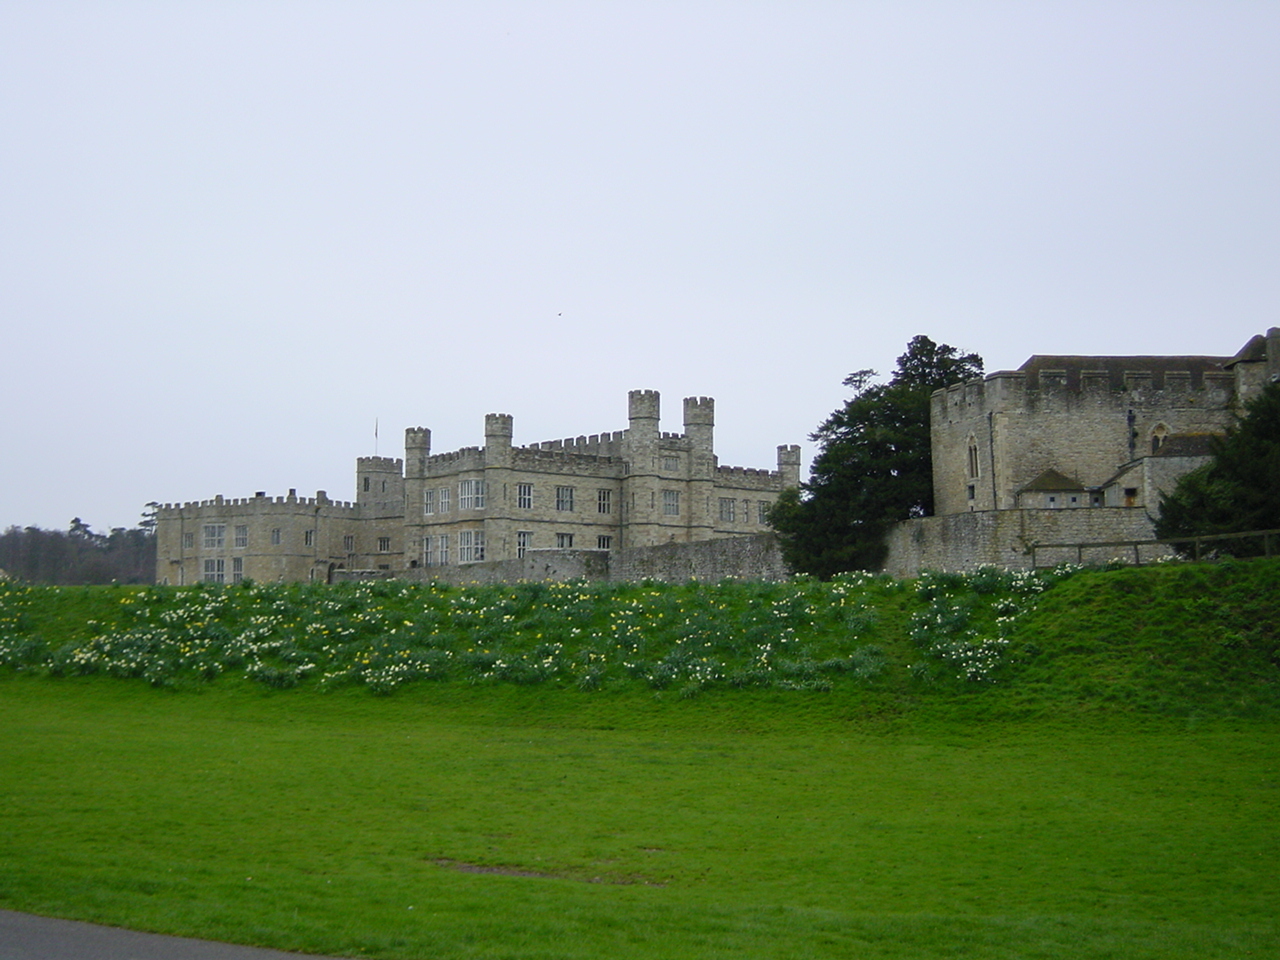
(380,486)
(498,430)
(699,427)
(789,464)
(640,486)
(417,448)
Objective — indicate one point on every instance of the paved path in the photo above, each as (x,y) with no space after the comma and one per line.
(27,937)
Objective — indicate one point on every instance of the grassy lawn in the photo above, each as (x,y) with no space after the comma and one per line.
(742,823)
(1079,764)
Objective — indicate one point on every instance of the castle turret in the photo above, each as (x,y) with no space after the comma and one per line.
(417,447)
(640,486)
(498,429)
(380,486)
(789,464)
(699,427)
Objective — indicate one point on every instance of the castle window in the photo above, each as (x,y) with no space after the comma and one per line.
(215,536)
(237,569)
(670,464)
(564,541)
(428,502)
(1158,437)
(973,491)
(384,544)
(564,499)
(604,501)
(366,485)
(728,509)
(215,571)
(384,486)
(470,546)
(349,543)
(442,549)
(188,541)
(524,496)
(762,512)
(443,499)
(309,538)
(428,555)
(671,503)
(275,537)
(242,536)
(604,542)
(524,541)
(973,458)
(471,495)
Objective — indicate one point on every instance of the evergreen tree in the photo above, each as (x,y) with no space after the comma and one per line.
(1239,489)
(874,467)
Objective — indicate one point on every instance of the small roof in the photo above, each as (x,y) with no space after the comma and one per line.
(1054,481)
(1252,352)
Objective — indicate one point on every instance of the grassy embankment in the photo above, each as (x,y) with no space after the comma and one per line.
(969,768)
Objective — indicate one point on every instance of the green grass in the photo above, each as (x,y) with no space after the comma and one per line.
(1108,786)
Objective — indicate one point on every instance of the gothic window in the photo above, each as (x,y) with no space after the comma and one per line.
(1158,437)
(973,458)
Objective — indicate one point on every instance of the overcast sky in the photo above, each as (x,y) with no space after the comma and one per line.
(235,235)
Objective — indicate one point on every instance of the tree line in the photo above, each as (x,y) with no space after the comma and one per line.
(79,555)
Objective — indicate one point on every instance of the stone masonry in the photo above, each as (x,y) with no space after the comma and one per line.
(615,491)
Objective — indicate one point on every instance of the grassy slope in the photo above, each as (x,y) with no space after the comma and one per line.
(1105,798)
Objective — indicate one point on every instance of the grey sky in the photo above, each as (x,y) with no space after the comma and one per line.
(234,234)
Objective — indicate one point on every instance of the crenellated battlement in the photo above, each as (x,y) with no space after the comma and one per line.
(608,444)
(453,457)
(261,504)
(379,464)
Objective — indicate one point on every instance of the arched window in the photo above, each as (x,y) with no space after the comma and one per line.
(1158,437)
(973,458)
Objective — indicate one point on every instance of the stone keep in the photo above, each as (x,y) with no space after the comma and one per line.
(1067,431)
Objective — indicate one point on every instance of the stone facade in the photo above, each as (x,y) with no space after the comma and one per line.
(616,491)
(753,557)
(1070,450)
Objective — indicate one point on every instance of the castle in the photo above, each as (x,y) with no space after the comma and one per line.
(1064,458)
(429,514)
(1070,450)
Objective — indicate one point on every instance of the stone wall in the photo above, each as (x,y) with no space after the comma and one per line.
(749,558)
(965,541)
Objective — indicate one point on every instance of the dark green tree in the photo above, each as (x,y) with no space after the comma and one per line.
(1239,489)
(874,466)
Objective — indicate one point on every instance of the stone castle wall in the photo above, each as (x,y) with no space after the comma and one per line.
(963,542)
(750,558)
